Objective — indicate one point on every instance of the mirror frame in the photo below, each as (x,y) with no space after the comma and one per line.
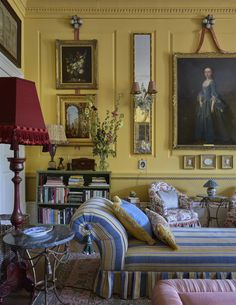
(136,149)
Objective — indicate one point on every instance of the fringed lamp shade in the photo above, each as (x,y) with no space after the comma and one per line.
(57,136)
(21,123)
(21,119)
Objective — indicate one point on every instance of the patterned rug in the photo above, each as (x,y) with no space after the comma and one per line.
(77,276)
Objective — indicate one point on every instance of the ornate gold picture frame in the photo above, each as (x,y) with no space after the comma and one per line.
(10,33)
(204,108)
(72,113)
(208,161)
(142,49)
(76,64)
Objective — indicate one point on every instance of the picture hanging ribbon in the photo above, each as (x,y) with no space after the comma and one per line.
(207,26)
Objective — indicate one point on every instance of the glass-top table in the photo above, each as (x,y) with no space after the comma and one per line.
(49,243)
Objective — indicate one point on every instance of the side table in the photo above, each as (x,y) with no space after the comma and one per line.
(52,248)
(214,201)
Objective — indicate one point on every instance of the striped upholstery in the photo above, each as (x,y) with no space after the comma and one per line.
(133,271)
(194,291)
(107,231)
(200,250)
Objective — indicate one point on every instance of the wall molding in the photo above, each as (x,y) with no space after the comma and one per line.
(104,12)
(21,5)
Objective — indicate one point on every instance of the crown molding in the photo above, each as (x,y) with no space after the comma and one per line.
(104,12)
(21,6)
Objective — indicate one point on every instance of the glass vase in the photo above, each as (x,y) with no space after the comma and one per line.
(103,164)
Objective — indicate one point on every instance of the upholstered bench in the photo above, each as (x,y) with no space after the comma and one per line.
(194,292)
(131,267)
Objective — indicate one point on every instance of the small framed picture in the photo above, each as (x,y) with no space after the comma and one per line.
(227,161)
(208,161)
(76,64)
(72,114)
(189,162)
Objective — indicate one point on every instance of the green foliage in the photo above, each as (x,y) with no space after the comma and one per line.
(104,133)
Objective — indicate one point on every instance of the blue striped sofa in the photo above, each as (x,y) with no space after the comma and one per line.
(131,267)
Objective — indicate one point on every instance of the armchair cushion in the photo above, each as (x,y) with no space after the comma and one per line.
(178,215)
(170,198)
(134,220)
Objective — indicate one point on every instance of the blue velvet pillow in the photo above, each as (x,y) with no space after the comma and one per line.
(133,219)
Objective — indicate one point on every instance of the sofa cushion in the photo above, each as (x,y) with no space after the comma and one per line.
(133,219)
(161,229)
(170,198)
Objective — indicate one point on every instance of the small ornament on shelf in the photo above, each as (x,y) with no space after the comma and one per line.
(61,165)
(133,198)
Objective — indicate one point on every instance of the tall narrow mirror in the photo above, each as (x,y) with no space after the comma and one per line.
(142,101)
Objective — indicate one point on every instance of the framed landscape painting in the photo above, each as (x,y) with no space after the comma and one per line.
(76,64)
(10,33)
(73,115)
(204,101)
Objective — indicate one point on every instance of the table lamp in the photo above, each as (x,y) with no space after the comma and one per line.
(57,136)
(21,123)
(211,187)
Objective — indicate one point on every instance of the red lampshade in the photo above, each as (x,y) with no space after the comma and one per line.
(21,119)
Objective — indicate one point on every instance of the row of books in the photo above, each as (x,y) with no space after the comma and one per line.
(96,193)
(54,181)
(58,195)
(76,181)
(53,195)
(98,181)
(55,216)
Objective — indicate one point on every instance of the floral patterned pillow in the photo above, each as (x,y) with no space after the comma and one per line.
(156,218)
(161,229)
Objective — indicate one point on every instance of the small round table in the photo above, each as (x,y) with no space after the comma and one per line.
(214,201)
(52,247)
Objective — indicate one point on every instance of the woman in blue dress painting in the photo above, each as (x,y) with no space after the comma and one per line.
(210,127)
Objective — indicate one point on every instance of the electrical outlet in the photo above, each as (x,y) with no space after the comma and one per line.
(142,164)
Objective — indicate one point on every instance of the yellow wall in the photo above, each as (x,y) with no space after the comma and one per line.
(175,28)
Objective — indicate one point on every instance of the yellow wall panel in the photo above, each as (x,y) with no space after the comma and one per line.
(176,27)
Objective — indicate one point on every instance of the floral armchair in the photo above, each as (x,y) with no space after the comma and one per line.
(173,205)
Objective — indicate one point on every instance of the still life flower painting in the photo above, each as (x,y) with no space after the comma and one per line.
(76,64)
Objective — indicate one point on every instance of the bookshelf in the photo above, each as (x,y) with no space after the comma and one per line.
(60,193)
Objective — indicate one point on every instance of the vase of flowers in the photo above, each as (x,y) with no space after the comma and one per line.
(104,133)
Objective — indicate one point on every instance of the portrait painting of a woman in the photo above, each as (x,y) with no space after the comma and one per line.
(210,125)
(205,106)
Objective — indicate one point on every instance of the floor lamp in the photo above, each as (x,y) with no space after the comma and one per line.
(21,123)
